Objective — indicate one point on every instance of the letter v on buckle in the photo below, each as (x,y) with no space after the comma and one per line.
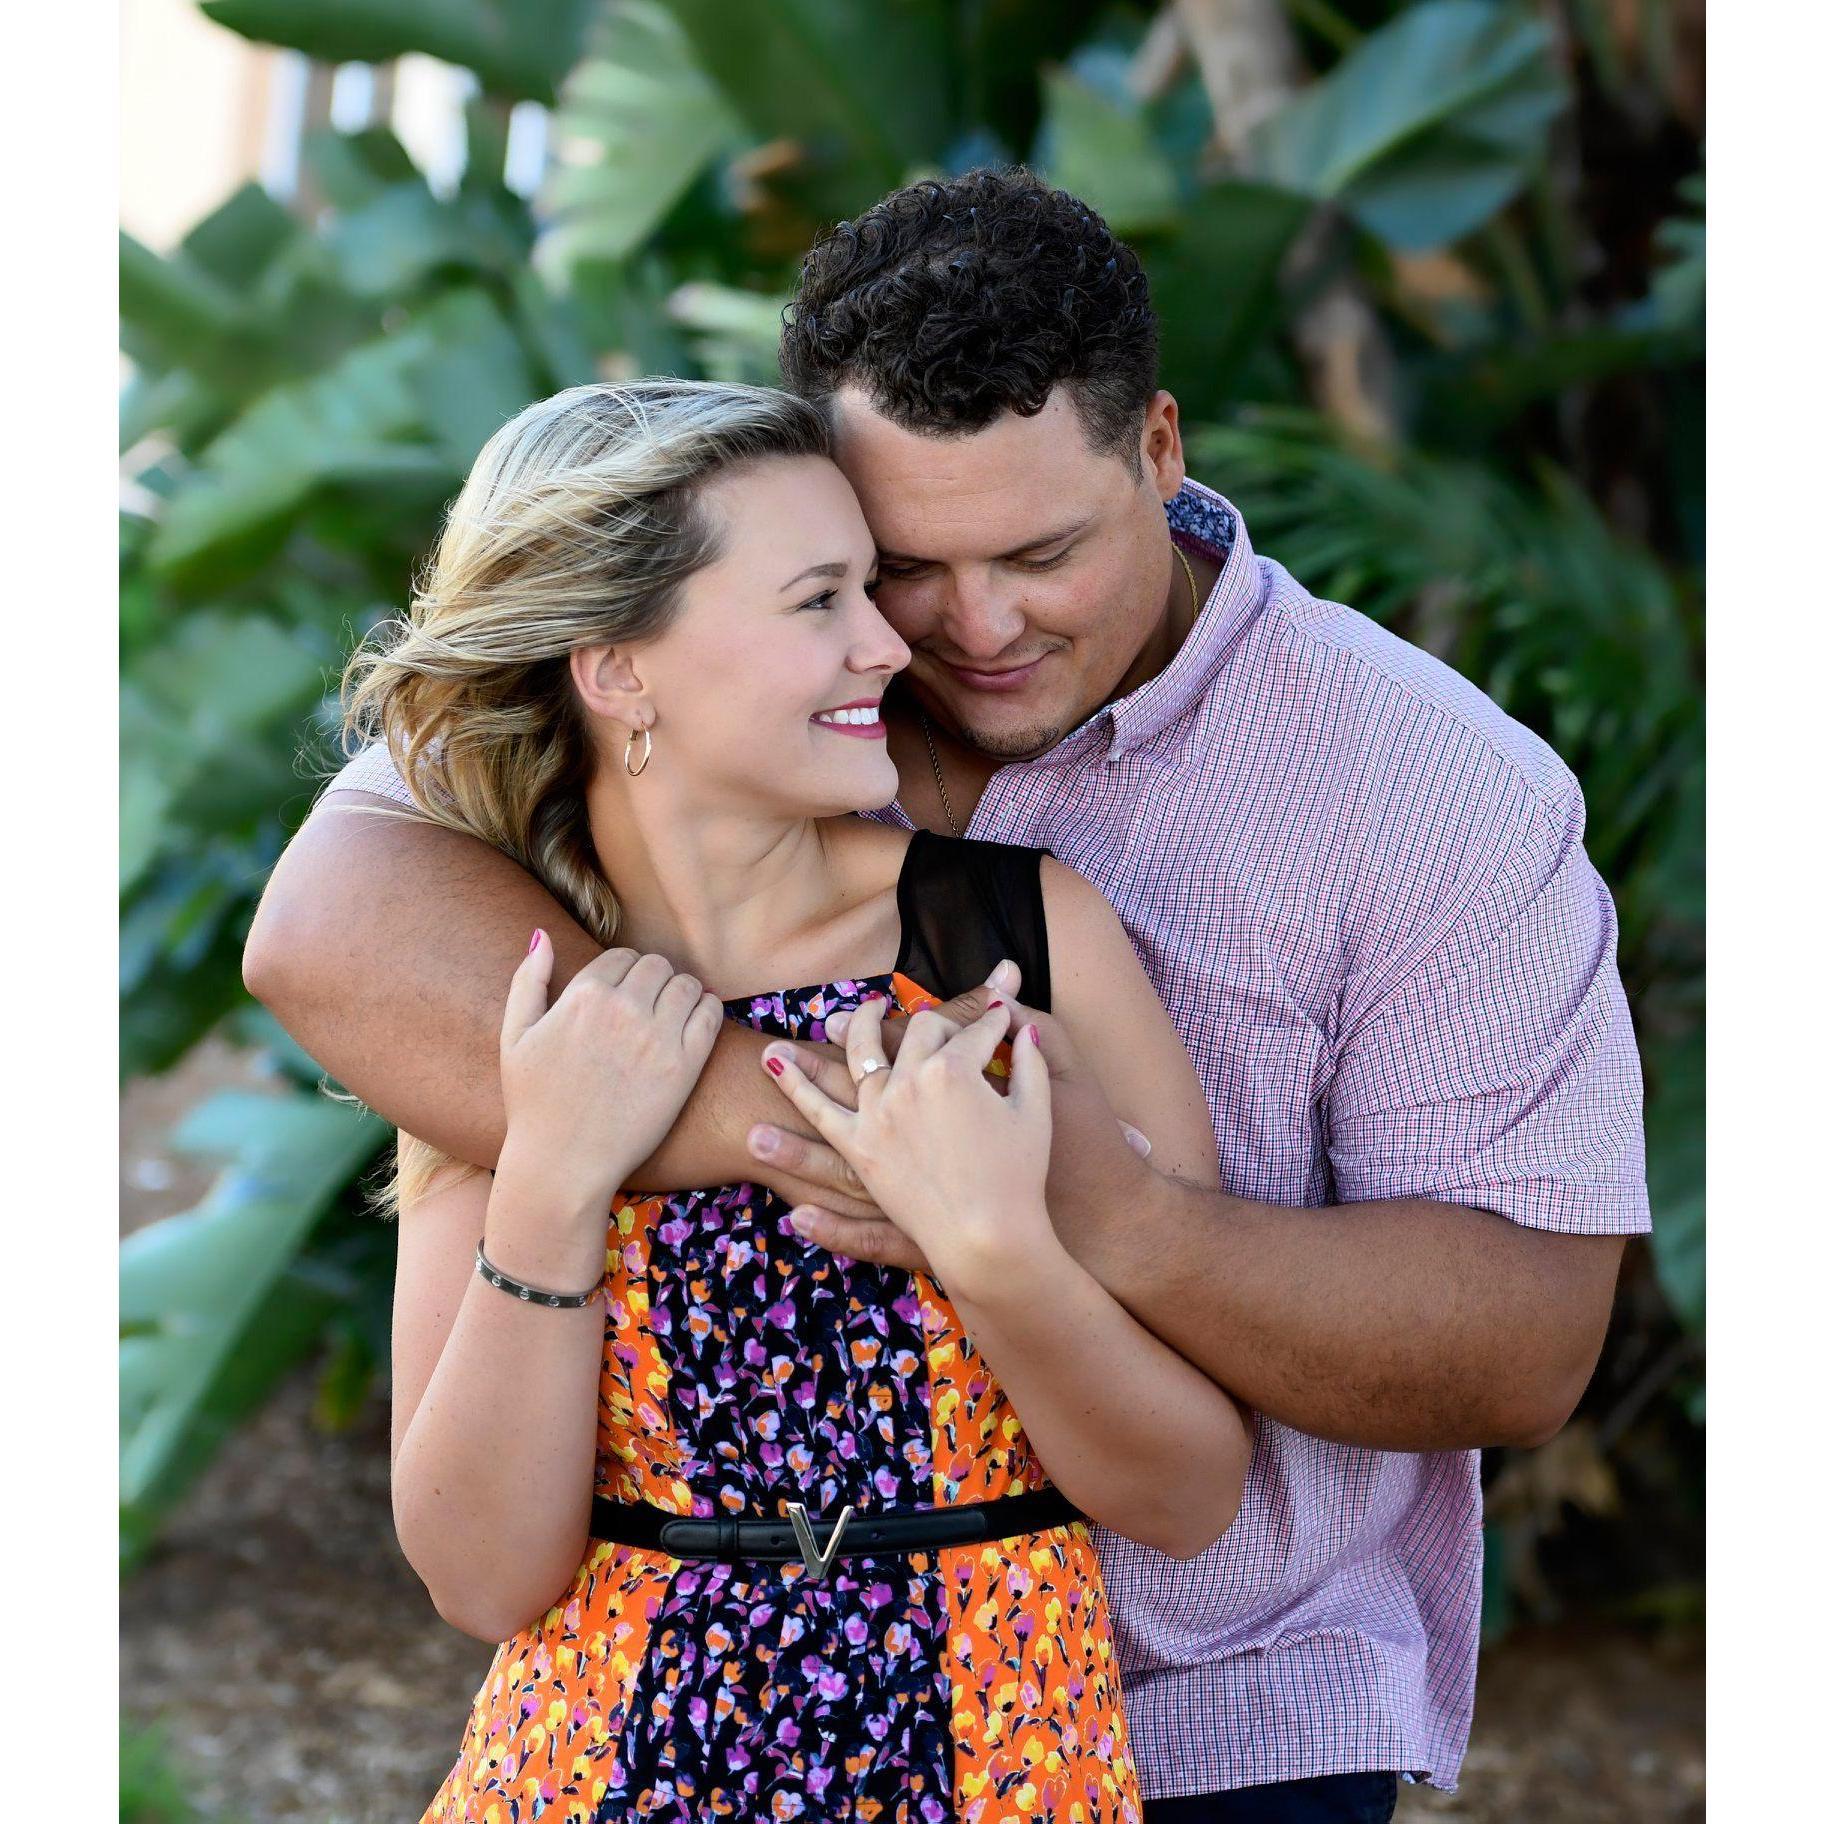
(816,1563)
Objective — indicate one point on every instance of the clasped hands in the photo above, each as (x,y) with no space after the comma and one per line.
(931,1165)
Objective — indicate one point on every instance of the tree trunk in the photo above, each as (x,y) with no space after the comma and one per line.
(1158,58)
(1249,63)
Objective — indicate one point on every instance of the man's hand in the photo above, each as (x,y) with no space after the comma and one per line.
(801,1169)
(1094,1153)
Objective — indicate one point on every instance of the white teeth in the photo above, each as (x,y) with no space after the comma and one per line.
(850,718)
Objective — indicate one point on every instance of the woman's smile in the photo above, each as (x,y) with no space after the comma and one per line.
(860,720)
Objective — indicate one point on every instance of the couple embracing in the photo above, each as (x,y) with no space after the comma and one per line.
(994,1099)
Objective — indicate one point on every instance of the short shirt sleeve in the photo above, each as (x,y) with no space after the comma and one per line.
(371,770)
(1503,1073)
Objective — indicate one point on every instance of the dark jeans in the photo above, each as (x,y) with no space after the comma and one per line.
(1337,1798)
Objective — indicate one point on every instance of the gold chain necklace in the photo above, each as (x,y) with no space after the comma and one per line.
(924,721)
(937,773)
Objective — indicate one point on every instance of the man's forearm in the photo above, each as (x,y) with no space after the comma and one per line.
(385,948)
(1405,1325)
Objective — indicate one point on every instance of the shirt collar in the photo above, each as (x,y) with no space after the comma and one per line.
(1204,525)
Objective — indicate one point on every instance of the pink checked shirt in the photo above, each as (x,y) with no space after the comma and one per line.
(1360,889)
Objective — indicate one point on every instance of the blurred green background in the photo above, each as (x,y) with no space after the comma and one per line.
(1431,279)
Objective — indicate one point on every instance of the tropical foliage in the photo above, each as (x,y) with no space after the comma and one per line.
(1508,197)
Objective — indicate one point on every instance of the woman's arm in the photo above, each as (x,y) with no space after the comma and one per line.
(1130,1431)
(495,1397)
(1120,1029)
(1124,1425)
(493,1403)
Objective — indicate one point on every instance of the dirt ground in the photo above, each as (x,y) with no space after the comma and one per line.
(300,1672)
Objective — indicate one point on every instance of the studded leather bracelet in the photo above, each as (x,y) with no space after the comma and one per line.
(555,1301)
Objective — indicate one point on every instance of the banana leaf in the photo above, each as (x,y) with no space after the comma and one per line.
(1427,127)
(210,1315)
(346,424)
(519,49)
(1100,149)
(638,122)
(1215,277)
(869,92)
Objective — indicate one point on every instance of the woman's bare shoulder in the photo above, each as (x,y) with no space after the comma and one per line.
(1081,925)
(869,855)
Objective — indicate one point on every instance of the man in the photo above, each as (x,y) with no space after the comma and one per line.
(1358,886)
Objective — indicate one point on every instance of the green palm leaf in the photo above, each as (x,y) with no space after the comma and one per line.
(638,123)
(518,48)
(1428,126)
(209,1319)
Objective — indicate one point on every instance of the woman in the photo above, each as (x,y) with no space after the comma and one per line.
(763,1532)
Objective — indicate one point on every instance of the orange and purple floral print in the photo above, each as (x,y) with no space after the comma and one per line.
(744,1368)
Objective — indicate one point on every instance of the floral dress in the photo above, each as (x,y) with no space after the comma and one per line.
(744,1368)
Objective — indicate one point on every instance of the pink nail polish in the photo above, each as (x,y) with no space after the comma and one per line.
(994,1004)
(1032,1032)
(775,1066)
(536,935)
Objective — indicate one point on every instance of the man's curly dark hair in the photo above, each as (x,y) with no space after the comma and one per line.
(952,301)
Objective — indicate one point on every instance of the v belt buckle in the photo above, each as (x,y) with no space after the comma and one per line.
(816,1563)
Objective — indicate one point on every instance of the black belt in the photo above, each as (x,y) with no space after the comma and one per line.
(867,1529)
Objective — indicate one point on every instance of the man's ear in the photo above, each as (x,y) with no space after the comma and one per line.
(608,682)
(1162,446)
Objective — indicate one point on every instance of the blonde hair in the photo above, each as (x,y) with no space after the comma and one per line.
(577,526)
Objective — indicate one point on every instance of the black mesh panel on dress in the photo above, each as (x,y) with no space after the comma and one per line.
(963,906)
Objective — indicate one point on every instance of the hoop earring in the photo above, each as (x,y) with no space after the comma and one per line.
(645,754)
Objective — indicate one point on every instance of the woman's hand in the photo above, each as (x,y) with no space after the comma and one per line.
(593,1082)
(954,1164)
